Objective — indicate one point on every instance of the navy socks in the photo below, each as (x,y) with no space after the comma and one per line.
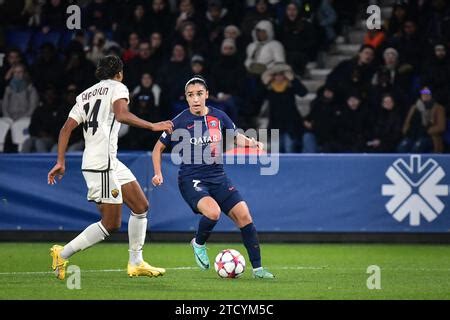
(251,242)
(205,226)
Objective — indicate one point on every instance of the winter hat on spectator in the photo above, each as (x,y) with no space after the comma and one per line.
(440,49)
(232,28)
(440,44)
(390,50)
(279,67)
(228,42)
(197,59)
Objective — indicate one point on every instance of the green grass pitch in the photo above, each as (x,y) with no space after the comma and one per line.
(318,271)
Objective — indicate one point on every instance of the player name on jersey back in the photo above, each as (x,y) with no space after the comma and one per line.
(94,110)
(102,91)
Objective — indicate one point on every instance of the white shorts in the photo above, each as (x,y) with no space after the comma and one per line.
(106,186)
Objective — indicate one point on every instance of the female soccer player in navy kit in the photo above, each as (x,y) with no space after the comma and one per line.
(202,182)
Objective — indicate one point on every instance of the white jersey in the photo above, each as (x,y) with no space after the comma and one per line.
(94,111)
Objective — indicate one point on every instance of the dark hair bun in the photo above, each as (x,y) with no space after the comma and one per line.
(108,67)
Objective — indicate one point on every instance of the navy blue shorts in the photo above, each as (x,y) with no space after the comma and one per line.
(220,189)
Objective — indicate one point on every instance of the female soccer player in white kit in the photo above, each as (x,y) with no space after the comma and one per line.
(100,109)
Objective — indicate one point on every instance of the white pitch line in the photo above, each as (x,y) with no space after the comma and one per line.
(122,270)
(86,271)
(195,268)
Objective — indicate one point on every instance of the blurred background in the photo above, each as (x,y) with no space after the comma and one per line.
(310,68)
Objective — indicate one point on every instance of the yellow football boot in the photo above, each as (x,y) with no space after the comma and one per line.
(144,269)
(59,264)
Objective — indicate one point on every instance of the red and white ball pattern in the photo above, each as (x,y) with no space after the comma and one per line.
(229,263)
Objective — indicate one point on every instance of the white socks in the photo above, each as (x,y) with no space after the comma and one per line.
(93,234)
(137,228)
(96,232)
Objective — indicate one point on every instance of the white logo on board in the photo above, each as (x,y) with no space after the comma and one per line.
(415,190)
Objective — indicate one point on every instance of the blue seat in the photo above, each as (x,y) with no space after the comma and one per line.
(40,38)
(19,38)
(65,39)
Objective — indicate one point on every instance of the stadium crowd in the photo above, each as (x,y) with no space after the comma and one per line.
(393,96)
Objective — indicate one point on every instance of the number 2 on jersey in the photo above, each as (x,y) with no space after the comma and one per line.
(92,120)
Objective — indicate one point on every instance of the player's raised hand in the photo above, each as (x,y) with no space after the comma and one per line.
(157,180)
(57,171)
(163,126)
(257,144)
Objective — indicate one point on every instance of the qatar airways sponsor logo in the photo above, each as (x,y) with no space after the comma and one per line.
(205,140)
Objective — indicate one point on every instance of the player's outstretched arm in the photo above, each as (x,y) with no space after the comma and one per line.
(123,115)
(156,158)
(243,141)
(63,140)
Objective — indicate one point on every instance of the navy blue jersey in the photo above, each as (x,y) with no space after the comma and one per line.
(200,143)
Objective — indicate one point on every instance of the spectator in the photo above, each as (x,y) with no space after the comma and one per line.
(321,122)
(198,67)
(76,141)
(142,62)
(352,127)
(97,15)
(227,79)
(400,74)
(435,24)
(187,13)
(43,133)
(398,17)
(47,69)
(191,40)
(383,86)
(177,65)
(281,86)
(79,70)
(298,37)
(20,98)
(353,74)
(424,126)
(53,16)
(387,127)
(79,42)
(13,58)
(157,48)
(436,73)
(251,19)
(233,32)
(146,103)
(410,45)
(161,19)
(391,77)
(32,13)
(217,18)
(264,51)
(99,48)
(326,18)
(132,47)
(138,23)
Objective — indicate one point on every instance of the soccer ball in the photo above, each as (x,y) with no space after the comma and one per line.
(229,263)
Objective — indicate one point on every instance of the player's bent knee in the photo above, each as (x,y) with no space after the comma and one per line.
(243,221)
(141,207)
(212,214)
(112,226)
